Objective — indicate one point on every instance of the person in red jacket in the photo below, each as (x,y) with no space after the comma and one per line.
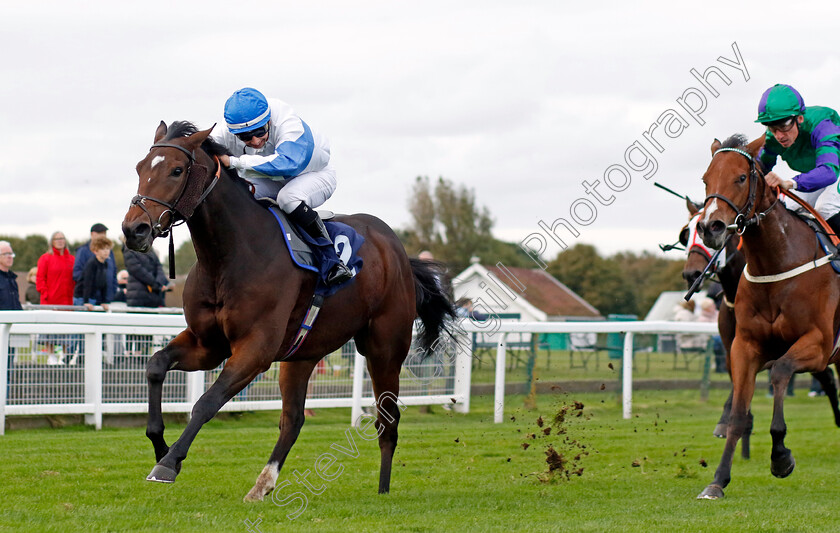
(55,273)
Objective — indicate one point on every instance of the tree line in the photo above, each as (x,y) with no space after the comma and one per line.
(447,221)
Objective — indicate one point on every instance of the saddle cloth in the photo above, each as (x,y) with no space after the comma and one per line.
(318,255)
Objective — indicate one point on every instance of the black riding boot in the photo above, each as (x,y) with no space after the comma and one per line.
(308,219)
(834,222)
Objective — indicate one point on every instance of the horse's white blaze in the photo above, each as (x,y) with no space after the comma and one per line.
(157,159)
(711,209)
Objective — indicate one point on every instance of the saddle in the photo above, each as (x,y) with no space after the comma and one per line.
(826,237)
(309,254)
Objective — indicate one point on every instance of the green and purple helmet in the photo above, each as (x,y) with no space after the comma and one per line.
(779,102)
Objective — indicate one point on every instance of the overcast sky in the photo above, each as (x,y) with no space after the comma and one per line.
(520,103)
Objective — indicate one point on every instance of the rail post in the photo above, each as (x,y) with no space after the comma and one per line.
(358,382)
(4,373)
(501,350)
(627,375)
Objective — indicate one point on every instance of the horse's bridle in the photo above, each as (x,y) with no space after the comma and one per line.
(741,222)
(188,198)
(716,262)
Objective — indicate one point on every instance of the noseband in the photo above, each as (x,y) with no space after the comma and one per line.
(189,196)
(741,222)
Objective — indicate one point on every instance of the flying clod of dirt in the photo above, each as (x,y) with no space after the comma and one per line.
(563,457)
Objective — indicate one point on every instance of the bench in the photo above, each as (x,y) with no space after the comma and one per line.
(520,346)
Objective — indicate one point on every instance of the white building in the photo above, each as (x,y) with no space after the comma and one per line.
(533,294)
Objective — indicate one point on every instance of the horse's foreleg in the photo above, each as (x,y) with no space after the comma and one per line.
(182,352)
(294,377)
(829,386)
(805,355)
(743,365)
(156,369)
(781,458)
(236,374)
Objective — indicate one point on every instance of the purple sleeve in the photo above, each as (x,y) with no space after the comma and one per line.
(816,179)
(824,139)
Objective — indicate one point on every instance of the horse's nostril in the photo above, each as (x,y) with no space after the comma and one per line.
(142,231)
(717,226)
(691,276)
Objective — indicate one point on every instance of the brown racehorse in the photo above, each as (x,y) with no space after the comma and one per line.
(785,323)
(244,300)
(728,272)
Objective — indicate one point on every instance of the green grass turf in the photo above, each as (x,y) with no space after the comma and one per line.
(452,472)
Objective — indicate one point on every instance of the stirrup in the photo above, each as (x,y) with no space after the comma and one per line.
(339,274)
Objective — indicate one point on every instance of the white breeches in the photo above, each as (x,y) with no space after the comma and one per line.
(826,201)
(314,188)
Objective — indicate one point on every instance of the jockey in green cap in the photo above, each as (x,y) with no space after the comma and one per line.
(808,140)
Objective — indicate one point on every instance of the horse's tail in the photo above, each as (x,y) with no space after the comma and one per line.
(434,306)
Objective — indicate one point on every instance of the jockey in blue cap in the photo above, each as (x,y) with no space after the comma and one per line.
(284,160)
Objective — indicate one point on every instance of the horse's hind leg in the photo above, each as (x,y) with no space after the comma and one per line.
(386,388)
(745,438)
(720,428)
(826,379)
(294,377)
(385,348)
(182,353)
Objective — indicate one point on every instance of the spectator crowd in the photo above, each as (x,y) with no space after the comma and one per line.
(85,279)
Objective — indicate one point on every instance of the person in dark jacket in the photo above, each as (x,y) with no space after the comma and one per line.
(122,285)
(9,295)
(32,296)
(93,288)
(147,282)
(84,254)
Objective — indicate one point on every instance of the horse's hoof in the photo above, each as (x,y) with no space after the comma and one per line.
(162,474)
(254,495)
(712,492)
(720,431)
(783,467)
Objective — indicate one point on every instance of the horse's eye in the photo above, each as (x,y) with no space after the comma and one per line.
(177,171)
(742,178)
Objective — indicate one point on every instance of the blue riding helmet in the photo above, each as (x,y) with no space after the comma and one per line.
(245,110)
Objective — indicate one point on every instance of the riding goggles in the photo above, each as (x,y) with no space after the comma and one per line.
(246,136)
(782,126)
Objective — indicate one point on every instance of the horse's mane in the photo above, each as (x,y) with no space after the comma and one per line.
(738,140)
(183,128)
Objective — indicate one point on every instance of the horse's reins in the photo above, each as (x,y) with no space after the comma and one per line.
(182,208)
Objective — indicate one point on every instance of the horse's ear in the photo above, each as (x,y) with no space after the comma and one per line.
(199,137)
(692,207)
(160,132)
(684,234)
(755,146)
(715,147)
